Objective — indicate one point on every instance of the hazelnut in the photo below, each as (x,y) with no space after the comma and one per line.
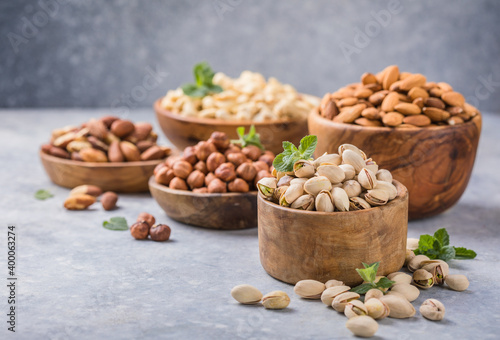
(251,151)
(164,176)
(246,171)
(160,232)
(201,166)
(170,161)
(232,149)
(145,217)
(214,161)
(237,158)
(108,200)
(220,140)
(159,167)
(260,165)
(209,177)
(216,186)
(189,155)
(238,185)
(203,190)
(178,184)
(205,149)
(225,172)
(139,230)
(182,169)
(196,179)
(260,175)
(268,159)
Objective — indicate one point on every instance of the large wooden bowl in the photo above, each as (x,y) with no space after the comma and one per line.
(186,131)
(227,211)
(117,177)
(297,245)
(434,163)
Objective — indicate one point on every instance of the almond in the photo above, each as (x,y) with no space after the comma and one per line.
(455,121)
(78,145)
(154,152)
(368,78)
(115,153)
(453,98)
(395,86)
(363,93)
(407,109)
(351,114)
(470,109)
(376,87)
(418,92)
(79,202)
(435,114)
(419,102)
(108,200)
(391,74)
(143,145)
(417,120)
(455,110)
(98,144)
(46,148)
(412,81)
(445,86)
(389,102)
(141,131)
(436,92)
(122,128)
(97,129)
(86,189)
(367,122)
(434,102)
(64,140)
(370,113)
(75,155)
(393,119)
(93,155)
(58,152)
(378,97)
(330,110)
(130,151)
(404,75)
(349,101)
(108,120)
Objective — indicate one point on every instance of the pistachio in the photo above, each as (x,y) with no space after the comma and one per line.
(357,203)
(352,188)
(324,201)
(367,179)
(314,185)
(354,159)
(246,294)
(410,292)
(332,172)
(432,309)
(416,262)
(333,283)
(341,300)
(400,277)
(304,202)
(267,186)
(298,181)
(377,197)
(373,293)
(332,158)
(438,268)
(355,308)
(330,293)
(457,282)
(285,180)
(309,289)
(412,243)
(399,307)
(278,192)
(423,279)
(340,199)
(389,187)
(291,194)
(349,171)
(276,300)
(351,147)
(384,175)
(371,165)
(303,169)
(376,308)
(363,326)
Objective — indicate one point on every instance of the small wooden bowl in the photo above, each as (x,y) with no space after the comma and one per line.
(297,245)
(434,163)
(227,211)
(117,177)
(186,131)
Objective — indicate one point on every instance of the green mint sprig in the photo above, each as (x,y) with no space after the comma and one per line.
(291,154)
(251,138)
(369,274)
(203,85)
(43,194)
(437,246)
(116,223)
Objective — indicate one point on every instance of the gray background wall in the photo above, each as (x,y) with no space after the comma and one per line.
(125,54)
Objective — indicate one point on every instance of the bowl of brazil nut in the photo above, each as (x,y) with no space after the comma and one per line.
(423,132)
(216,102)
(321,218)
(111,153)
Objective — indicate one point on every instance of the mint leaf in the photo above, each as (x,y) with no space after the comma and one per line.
(462,253)
(367,274)
(307,146)
(362,288)
(116,223)
(447,253)
(203,86)
(384,283)
(289,147)
(291,154)
(43,194)
(442,236)
(426,242)
(251,138)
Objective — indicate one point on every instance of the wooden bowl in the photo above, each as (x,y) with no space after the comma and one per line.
(434,163)
(227,211)
(297,245)
(117,177)
(186,131)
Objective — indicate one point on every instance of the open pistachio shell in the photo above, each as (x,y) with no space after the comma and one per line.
(303,169)
(373,293)
(352,188)
(377,197)
(304,202)
(285,180)
(333,283)
(332,172)
(317,184)
(330,293)
(324,201)
(353,148)
(389,187)
(371,165)
(357,203)
(376,308)
(291,194)
(275,300)
(278,192)
(416,262)
(384,175)
(340,199)
(432,309)
(353,158)
(349,171)
(309,289)
(355,308)
(423,279)
(438,268)
(332,158)
(367,179)
(266,187)
(341,300)
(399,307)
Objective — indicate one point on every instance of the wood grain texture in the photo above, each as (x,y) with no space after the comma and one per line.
(226,211)
(185,131)
(117,177)
(434,163)
(296,245)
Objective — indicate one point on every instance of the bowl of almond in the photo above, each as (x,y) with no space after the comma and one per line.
(423,132)
(111,153)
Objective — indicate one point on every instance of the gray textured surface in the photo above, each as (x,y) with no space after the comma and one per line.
(78,280)
(96,53)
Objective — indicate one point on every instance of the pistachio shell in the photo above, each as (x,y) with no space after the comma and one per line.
(373,293)
(279,191)
(400,277)
(314,185)
(412,243)
(332,158)
(409,256)
(330,293)
(423,279)
(399,307)
(355,308)
(352,188)
(324,201)
(354,159)
(246,294)
(457,282)
(410,292)
(340,199)
(303,169)
(377,197)
(376,308)
(309,289)
(351,147)
(371,165)
(276,300)
(367,179)
(432,309)
(340,301)
(357,203)
(332,172)
(363,326)
(298,181)
(304,202)
(389,187)
(416,262)
(384,175)
(333,283)
(285,180)
(349,171)
(438,268)
(291,194)
(266,187)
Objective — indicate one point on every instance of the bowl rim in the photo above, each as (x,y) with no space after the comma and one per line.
(315,112)
(164,188)
(95,165)
(213,121)
(402,195)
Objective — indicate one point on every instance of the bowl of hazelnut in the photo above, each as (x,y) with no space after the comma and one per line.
(213,184)
(423,132)
(190,114)
(111,153)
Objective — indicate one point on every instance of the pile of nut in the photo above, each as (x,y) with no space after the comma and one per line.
(107,139)
(248,97)
(215,166)
(397,99)
(249,295)
(345,181)
(145,226)
(83,196)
